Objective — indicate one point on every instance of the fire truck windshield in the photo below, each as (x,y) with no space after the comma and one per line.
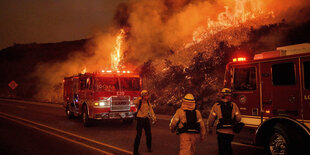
(244,79)
(106,84)
(130,84)
(110,84)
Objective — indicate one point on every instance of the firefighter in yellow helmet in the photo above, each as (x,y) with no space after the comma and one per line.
(228,114)
(144,114)
(188,123)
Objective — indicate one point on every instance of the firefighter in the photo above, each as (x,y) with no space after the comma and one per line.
(144,113)
(188,123)
(228,114)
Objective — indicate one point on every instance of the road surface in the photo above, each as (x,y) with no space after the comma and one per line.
(42,128)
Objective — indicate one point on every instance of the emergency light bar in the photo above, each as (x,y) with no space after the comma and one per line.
(240,59)
(110,71)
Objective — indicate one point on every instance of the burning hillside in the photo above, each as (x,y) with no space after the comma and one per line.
(182,46)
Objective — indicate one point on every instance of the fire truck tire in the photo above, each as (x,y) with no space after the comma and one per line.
(85,118)
(283,140)
(69,114)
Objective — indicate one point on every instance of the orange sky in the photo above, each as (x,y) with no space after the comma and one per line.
(46,21)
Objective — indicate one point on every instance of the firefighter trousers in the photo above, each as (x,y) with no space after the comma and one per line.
(224,144)
(188,143)
(143,123)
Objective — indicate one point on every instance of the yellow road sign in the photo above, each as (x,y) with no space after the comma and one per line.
(13,84)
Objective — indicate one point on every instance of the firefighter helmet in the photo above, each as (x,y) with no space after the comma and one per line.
(189,98)
(226,92)
(144,92)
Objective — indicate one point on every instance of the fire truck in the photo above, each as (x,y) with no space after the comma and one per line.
(273,94)
(102,95)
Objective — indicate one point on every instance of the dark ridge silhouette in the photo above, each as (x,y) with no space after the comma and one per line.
(19,61)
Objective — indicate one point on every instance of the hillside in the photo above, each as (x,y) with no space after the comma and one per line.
(19,61)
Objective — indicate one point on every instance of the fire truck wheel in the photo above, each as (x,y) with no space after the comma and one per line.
(282,140)
(69,114)
(86,120)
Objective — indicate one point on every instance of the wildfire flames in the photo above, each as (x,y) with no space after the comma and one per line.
(178,43)
(116,55)
(243,11)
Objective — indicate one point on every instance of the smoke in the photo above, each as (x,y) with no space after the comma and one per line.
(95,57)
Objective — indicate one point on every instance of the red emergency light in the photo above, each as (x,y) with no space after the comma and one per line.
(239,59)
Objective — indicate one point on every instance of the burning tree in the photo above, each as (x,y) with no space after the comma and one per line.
(116,55)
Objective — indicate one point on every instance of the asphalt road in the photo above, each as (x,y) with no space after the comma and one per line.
(42,128)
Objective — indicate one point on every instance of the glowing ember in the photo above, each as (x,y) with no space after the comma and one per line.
(117,53)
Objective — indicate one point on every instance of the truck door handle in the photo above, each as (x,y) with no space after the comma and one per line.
(267,101)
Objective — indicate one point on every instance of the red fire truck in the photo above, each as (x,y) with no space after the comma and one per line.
(102,95)
(273,94)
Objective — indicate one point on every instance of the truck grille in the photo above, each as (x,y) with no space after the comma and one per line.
(120,103)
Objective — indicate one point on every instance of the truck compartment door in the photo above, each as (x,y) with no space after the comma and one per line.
(280,88)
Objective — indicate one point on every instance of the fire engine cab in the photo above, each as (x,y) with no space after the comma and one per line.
(102,95)
(273,94)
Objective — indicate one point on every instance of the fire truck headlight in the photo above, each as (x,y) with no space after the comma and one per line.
(104,103)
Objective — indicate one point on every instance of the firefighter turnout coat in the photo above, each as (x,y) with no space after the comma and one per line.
(216,114)
(187,140)
(145,110)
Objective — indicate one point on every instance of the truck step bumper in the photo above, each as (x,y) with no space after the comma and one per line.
(114,115)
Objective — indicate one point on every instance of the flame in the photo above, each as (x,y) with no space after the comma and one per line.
(244,11)
(116,56)
(84,70)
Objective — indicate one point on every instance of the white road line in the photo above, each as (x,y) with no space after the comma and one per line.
(56,135)
(68,133)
